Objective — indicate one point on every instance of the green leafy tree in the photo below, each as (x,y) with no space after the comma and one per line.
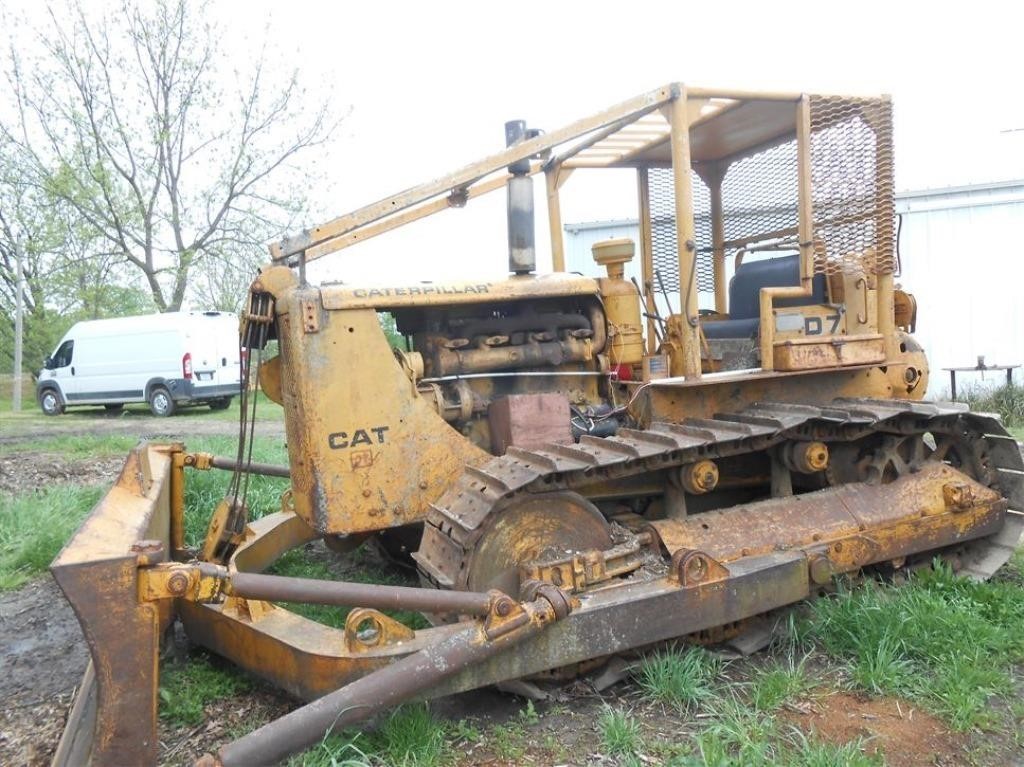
(390,327)
(66,277)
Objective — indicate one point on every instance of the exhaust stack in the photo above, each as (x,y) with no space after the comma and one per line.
(522,256)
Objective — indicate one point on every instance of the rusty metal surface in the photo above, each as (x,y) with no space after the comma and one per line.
(277,588)
(266,469)
(806,354)
(310,660)
(79,731)
(413,675)
(531,528)
(674,399)
(459,520)
(97,571)
(857,523)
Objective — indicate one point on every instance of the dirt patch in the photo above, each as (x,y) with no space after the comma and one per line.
(22,472)
(30,732)
(225,720)
(905,735)
(42,659)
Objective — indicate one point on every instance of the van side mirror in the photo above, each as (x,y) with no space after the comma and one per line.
(48,363)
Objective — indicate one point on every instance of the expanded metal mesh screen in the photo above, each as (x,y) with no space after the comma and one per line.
(853,185)
(851,189)
(663,230)
(759,200)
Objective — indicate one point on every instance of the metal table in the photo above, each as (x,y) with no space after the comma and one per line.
(981,367)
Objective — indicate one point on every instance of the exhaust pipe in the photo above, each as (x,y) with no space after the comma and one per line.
(522,256)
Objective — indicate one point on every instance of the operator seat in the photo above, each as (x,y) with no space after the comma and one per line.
(745,295)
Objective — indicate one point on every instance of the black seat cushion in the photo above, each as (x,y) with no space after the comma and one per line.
(745,295)
(745,328)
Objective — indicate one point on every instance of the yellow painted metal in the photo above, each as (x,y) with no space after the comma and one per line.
(647,258)
(525,288)
(805,234)
(818,354)
(621,302)
(688,331)
(457,198)
(699,478)
(177,502)
(463,178)
(366,451)
(673,399)
(713,178)
(905,311)
(554,177)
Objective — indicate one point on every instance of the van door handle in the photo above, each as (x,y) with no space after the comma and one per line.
(72,371)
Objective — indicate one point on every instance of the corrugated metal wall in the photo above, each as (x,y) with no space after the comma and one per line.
(962,253)
(963,259)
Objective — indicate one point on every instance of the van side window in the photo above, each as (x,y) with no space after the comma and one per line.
(63,356)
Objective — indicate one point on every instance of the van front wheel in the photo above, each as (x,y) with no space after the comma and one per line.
(50,402)
(160,402)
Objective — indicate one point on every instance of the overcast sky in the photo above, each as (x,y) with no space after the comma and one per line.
(430,85)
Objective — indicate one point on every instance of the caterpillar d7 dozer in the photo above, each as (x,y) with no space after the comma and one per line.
(577,466)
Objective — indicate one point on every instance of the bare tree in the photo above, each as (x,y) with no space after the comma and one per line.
(131,121)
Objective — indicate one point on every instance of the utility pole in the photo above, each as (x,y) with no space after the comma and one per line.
(18,302)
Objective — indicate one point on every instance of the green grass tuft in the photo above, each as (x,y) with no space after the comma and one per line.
(737,734)
(187,688)
(944,642)
(35,526)
(778,683)
(333,751)
(806,752)
(883,667)
(679,677)
(412,737)
(620,732)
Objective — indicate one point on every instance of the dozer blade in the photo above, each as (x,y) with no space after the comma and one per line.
(114,719)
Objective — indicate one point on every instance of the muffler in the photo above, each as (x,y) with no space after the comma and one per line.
(522,255)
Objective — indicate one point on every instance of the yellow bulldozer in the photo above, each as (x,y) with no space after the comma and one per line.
(577,466)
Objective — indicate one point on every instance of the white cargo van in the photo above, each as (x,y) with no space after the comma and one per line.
(166,360)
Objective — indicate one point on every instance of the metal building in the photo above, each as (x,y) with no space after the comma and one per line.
(962,256)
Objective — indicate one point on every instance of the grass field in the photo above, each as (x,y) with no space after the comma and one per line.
(31,415)
(34,525)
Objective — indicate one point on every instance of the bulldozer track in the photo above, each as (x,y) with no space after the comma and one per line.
(456,521)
